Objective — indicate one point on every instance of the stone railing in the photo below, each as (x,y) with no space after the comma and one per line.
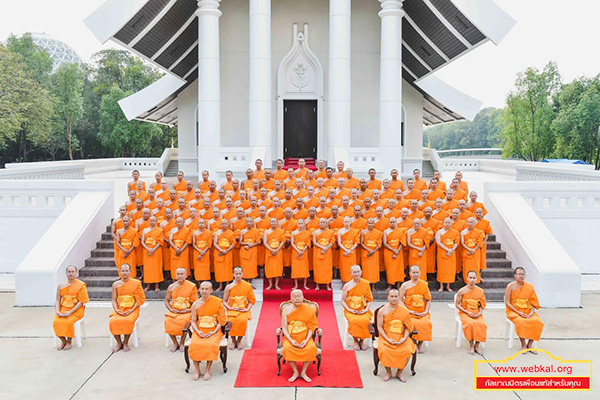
(44,172)
(170,153)
(485,152)
(94,166)
(433,156)
(550,172)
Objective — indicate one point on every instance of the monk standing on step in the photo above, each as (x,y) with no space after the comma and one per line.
(127,298)
(152,242)
(273,240)
(180,296)
(71,297)
(356,299)
(322,241)
(238,299)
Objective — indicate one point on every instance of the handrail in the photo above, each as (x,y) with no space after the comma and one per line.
(470,152)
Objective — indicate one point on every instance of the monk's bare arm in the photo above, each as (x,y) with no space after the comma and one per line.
(168,299)
(194,321)
(345,297)
(194,242)
(57,302)
(438,241)
(284,327)
(226,297)
(507,293)
(380,316)
(114,298)
(458,301)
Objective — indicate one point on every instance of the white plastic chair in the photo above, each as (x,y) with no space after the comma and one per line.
(510,333)
(134,336)
(79,332)
(459,326)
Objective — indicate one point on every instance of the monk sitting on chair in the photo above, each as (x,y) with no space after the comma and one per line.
(208,315)
(417,299)
(470,301)
(238,299)
(71,297)
(127,298)
(521,302)
(180,296)
(356,299)
(394,325)
(298,322)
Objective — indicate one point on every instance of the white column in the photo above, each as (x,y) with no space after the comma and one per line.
(390,85)
(209,86)
(339,92)
(259,102)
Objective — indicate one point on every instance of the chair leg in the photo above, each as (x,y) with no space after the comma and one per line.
(511,335)
(186,357)
(167,337)
(345,341)
(83,332)
(135,335)
(279,364)
(458,334)
(375,361)
(413,363)
(223,352)
(78,333)
(319,365)
(54,341)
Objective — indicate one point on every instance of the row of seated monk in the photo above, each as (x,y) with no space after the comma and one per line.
(403,323)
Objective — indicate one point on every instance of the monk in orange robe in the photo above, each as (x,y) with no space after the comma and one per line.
(322,241)
(420,184)
(300,243)
(273,240)
(127,241)
(133,184)
(116,225)
(472,242)
(348,240)
(484,226)
(470,302)
(298,323)
(394,240)
(432,225)
(127,298)
(250,243)
(238,299)
(262,223)
(237,225)
(181,294)
(356,300)
(395,326)
(435,192)
(181,183)
(417,298)
(71,298)
(223,244)
(521,302)
(208,316)
(202,243)
(447,241)
(371,241)
(462,183)
(473,204)
(180,239)
(289,225)
(373,182)
(396,183)
(417,240)
(152,242)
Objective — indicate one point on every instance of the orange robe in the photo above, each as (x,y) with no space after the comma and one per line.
(419,238)
(182,298)
(432,225)
(357,299)
(165,250)
(414,300)
(370,265)
(299,321)
(394,267)
(301,266)
(153,264)
(128,295)
(239,297)
(477,205)
(128,239)
(202,265)
(288,227)
(483,225)
(446,266)
(473,328)
(208,316)
(249,258)
(349,239)
(274,263)
(237,225)
(523,299)
(181,236)
(323,263)
(471,261)
(396,184)
(394,323)
(69,297)
(224,264)
(374,184)
(262,225)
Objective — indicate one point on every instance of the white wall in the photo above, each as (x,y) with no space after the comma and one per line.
(186,130)
(579,237)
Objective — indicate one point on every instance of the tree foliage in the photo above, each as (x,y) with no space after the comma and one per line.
(67,86)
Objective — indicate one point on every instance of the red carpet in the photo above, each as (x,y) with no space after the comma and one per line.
(259,364)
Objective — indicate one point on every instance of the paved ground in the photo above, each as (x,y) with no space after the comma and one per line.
(32,369)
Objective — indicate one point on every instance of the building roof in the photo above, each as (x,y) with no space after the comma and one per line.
(434,33)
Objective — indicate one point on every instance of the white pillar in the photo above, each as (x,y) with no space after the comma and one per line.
(390,85)
(339,92)
(209,86)
(259,102)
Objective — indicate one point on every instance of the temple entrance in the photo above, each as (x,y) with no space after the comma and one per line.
(300,128)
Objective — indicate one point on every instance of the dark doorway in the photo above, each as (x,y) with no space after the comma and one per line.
(300,128)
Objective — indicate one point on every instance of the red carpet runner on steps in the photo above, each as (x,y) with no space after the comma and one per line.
(259,364)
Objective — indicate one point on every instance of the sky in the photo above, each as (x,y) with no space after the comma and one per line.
(567,32)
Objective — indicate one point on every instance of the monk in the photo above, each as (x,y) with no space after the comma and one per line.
(470,302)
(417,298)
(208,316)
(71,298)
(447,241)
(201,244)
(371,240)
(180,239)
(298,323)
(181,184)
(356,300)
(417,240)
(127,241)
(238,299)
(521,302)
(249,242)
(223,243)
(152,242)
(273,240)
(472,242)
(300,243)
(181,294)
(374,183)
(474,204)
(484,226)
(395,346)
(322,241)
(394,240)
(133,184)
(127,298)
(348,240)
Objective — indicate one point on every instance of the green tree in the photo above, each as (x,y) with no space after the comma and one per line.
(529,114)
(37,59)
(67,86)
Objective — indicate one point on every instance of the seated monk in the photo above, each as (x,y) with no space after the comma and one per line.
(208,315)
(521,302)
(238,299)
(127,298)
(394,325)
(71,297)
(470,302)
(298,322)
(417,298)
(356,299)
(180,296)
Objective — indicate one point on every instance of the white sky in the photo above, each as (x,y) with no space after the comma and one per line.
(567,32)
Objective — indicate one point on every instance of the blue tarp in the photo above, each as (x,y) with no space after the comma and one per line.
(565,161)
